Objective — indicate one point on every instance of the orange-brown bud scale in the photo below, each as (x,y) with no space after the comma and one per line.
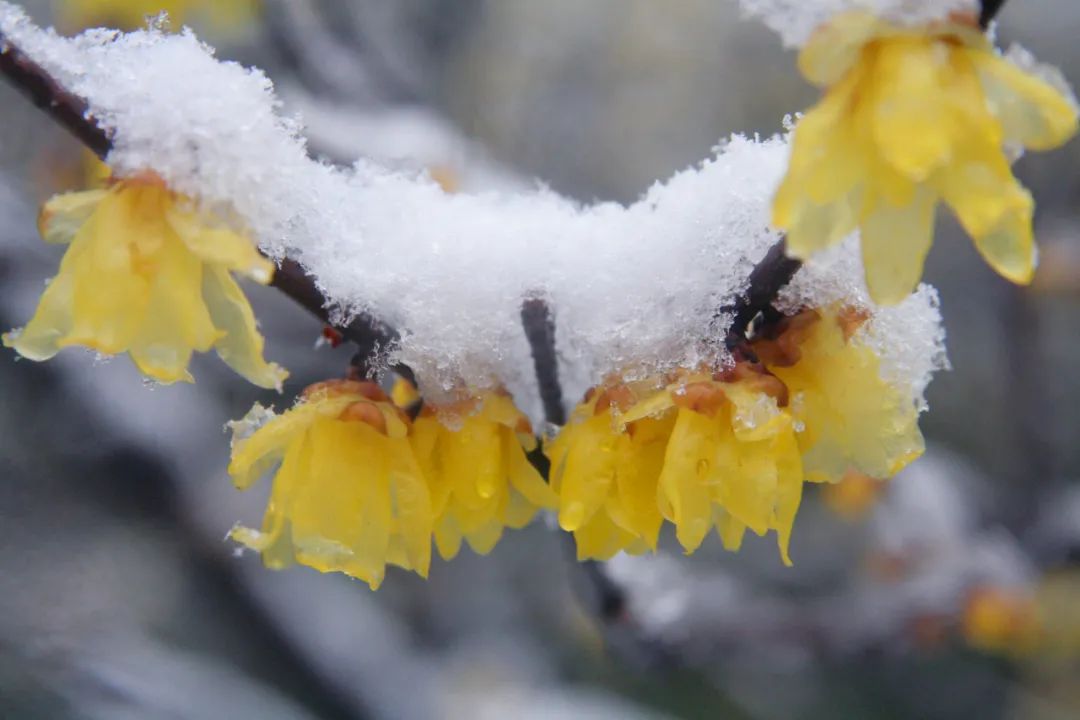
(705,398)
(365,412)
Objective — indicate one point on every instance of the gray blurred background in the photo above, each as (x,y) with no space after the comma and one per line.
(120,598)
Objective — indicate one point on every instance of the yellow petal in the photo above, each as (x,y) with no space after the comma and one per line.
(912,123)
(524,477)
(241,345)
(730,530)
(448,537)
(412,504)
(219,246)
(835,47)
(62,216)
(1009,247)
(600,538)
(177,321)
(109,296)
(687,464)
(895,242)
(253,456)
(589,471)
(1031,111)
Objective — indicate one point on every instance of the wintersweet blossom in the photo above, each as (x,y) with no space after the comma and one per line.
(473,455)
(730,449)
(348,496)
(148,274)
(913,116)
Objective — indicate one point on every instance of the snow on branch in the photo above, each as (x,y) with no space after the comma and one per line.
(634,288)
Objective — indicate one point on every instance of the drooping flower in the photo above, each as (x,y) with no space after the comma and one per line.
(912,117)
(473,455)
(851,419)
(730,449)
(348,494)
(605,473)
(147,273)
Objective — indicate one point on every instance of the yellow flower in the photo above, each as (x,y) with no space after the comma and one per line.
(132,14)
(1001,621)
(730,449)
(911,117)
(605,473)
(851,419)
(147,274)
(348,496)
(473,455)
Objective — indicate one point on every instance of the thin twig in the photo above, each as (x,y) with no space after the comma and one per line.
(540,330)
(767,279)
(47,95)
(73,114)
(990,9)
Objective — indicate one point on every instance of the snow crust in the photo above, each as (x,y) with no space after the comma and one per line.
(633,287)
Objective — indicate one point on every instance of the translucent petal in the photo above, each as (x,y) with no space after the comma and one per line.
(411,503)
(895,242)
(835,47)
(687,462)
(448,537)
(730,530)
(1009,247)
(484,539)
(241,345)
(62,216)
(1031,111)
(177,321)
(109,294)
(219,246)
(589,471)
(255,455)
(600,538)
(912,124)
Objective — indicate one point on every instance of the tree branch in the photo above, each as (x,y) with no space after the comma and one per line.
(47,95)
(990,9)
(73,114)
(540,330)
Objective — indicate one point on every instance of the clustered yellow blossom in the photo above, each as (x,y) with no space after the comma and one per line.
(361,485)
(730,449)
(133,14)
(149,274)
(348,495)
(912,117)
(481,481)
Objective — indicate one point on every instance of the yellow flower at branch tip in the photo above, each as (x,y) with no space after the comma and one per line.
(473,454)
(133,14)
(148,274)
(911,117)
(730,449)
(348,494)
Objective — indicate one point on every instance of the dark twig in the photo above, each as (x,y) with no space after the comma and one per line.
(767,279)
(540,330)
(73,114)
(990,9)
(42,89)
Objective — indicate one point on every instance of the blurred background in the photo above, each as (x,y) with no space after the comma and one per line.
(951,592)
